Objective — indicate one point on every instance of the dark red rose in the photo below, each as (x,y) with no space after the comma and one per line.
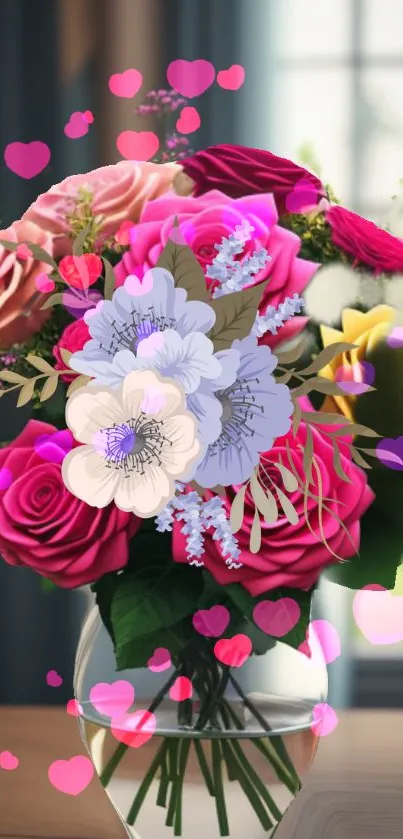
(73,339)
(365,242)
(239,171)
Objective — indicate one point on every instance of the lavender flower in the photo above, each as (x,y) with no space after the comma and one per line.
(215,517)
(198,516)
(274,318)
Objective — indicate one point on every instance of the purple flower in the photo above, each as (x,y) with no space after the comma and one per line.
(255,410)
(390,453)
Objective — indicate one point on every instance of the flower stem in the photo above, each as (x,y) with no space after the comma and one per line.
(204,767)
(144,787)
(184,749)
(122,748)
(219,788)
(246,785)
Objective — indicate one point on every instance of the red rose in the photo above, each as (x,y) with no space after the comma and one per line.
(239,171)
(43,526)
(81,271)
(291,555)
(74,337)
(365,242)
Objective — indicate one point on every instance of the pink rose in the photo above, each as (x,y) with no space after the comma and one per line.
(290,555)
(75,335)
(118,193)
(20,301)
(204,222)
(365,242)
(43,526)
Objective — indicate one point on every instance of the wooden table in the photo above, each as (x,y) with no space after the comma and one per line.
(354,791)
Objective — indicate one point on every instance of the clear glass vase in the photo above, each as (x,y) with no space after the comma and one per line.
(227,762)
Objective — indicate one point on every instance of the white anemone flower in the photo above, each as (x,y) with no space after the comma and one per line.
(137,441)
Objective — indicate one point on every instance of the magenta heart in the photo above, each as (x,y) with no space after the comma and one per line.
(137,145)
(181,689)
(74,709)
(211,622)
(44,283)
(189,121)
(302,198)
(126,84)
(160,660)
(71,776)
(77,126)
(112,700)
(53,679)
(54,447)
(190,78)
(27,159)
(134,729)
(395,338)
(277,617)
(379,616)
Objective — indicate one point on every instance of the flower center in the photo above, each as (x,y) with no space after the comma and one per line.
(128,335)
(133,445)
(239,406)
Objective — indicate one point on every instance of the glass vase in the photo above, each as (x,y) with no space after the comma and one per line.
(226,761)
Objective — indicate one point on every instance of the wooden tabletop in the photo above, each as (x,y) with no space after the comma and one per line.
(354,790)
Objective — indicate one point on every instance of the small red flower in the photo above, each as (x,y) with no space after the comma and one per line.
(81,272)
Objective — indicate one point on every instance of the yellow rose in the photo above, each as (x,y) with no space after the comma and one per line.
(366,331)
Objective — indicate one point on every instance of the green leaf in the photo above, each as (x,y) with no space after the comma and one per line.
(383,409)
(49,388)
(381,551)
(40,364)
(79,241)
(138,652)
(47,585)
(246,604)
(181,262)
(235,315)
(110,280)
(155,598)
(104,590)
(54,300)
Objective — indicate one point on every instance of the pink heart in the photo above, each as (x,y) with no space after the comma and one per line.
(89,117)
(277,617)
(211,622)
(134,729)
(303,197)
(137,145)
(71,776)
(54,447)
(379,615)
(233,78)
(181,689)
(113,699)
(233,652)
(77,126)
(53,679)
(73,708)
(44,283)
(189,120)
(325,719)
(23,251)
(160,660)
(126,84)
(8,761)
(27,159)
(190,78)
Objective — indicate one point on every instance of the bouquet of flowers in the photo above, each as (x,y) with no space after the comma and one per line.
(211,454)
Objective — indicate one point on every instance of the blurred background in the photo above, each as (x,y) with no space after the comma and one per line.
(323,86)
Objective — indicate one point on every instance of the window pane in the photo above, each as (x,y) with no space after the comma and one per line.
(383,27)
(312,28)
(382,158)
(314,108)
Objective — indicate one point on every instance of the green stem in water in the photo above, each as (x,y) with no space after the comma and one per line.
(219,788)
(182,763)
(275,740)
(204,767)
(122,748)
(144,787)
(173,773)
(164,780)
(247,786)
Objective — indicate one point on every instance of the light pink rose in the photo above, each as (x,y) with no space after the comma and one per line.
(290,554)
(20,301)
(204,222)
(119,194)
